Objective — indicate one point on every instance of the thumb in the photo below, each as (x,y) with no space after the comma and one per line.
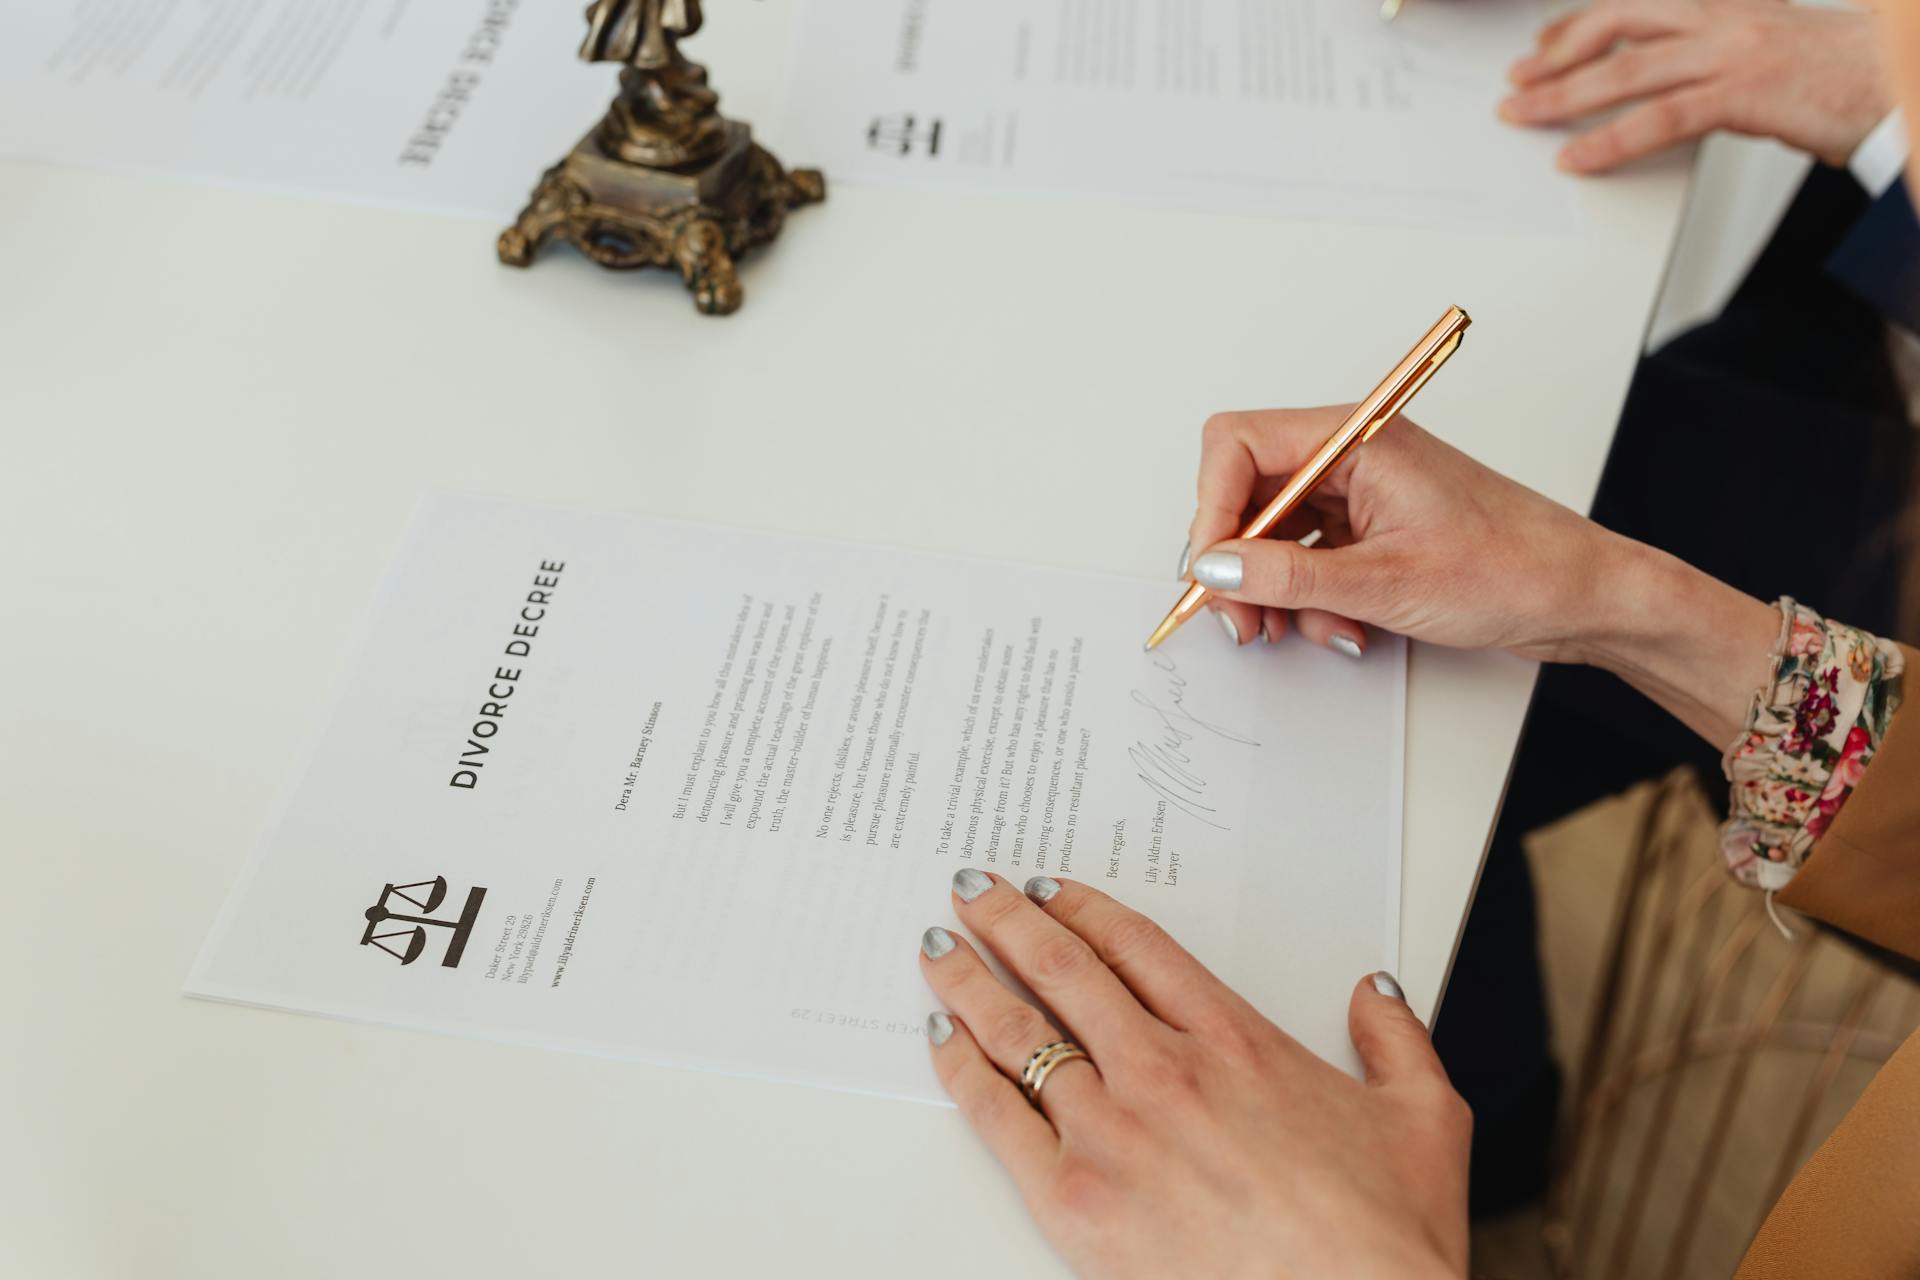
(1393,1044)
(1282,574)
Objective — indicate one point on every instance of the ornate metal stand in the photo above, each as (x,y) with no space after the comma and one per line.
(664,180)
(625,217)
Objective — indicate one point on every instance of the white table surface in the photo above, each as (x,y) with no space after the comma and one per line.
(218,409)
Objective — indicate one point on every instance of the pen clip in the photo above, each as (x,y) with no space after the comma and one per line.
(1406,393)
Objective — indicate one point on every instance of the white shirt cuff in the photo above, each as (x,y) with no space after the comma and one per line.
(1876,163)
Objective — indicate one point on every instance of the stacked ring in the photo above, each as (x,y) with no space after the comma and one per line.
(1041,1065)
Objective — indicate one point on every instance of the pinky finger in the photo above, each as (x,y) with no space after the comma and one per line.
(1017,1134)
(1558,25)
(1551,32)
(1670,119)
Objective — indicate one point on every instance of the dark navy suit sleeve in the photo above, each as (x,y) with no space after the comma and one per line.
(1879,258)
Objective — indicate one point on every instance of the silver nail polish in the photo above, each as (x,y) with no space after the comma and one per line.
(935,943)
(1186,553)
(970,884)
(1219,571)
(1226,625)
(939,1028)
(1345,644)
(1386,986)
(1042,888)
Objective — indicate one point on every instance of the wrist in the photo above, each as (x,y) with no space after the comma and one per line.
(1858,102)
(1695,645)
(1841,150)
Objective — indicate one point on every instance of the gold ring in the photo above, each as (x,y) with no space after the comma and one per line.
(1041,1065)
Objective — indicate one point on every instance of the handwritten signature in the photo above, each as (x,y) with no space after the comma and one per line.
(1165,758)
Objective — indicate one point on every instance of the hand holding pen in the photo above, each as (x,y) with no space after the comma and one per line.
(1420,539)
(1290,496)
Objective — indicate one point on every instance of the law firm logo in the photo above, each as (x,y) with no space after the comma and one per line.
(904,134)
(406,938)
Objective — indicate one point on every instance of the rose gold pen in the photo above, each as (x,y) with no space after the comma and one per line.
(1371,414)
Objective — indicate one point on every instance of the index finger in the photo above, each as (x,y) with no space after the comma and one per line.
(1239,450)
(1551,32)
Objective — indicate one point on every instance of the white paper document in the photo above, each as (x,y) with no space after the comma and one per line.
(1304,108)
(450,105)
(689,795)
(1301,108)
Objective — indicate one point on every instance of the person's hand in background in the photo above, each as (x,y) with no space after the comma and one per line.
(1808,77)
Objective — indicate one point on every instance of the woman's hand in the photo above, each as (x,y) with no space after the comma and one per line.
(1421,539)
(1205,1142)
(1809,77)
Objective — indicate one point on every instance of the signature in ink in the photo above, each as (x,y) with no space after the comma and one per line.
(1165,759)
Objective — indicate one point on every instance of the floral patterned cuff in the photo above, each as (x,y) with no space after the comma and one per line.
(1812,730)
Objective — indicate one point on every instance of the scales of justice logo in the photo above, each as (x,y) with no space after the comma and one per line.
(406,939)
(903,133)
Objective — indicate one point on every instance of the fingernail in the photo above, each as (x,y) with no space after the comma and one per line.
(939,1028)
(1345,644)
(970,884)
(935,943)
(1383,983)
(1042,888)
(1186,554)
(1226,625)
(1219,571)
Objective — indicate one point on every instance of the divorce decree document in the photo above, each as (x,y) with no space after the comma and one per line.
(447,105)
(689,795)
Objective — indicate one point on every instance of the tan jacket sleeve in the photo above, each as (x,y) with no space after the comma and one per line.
(1864,874)
(1849,1212)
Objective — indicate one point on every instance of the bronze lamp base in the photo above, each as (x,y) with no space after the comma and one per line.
(697,218)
